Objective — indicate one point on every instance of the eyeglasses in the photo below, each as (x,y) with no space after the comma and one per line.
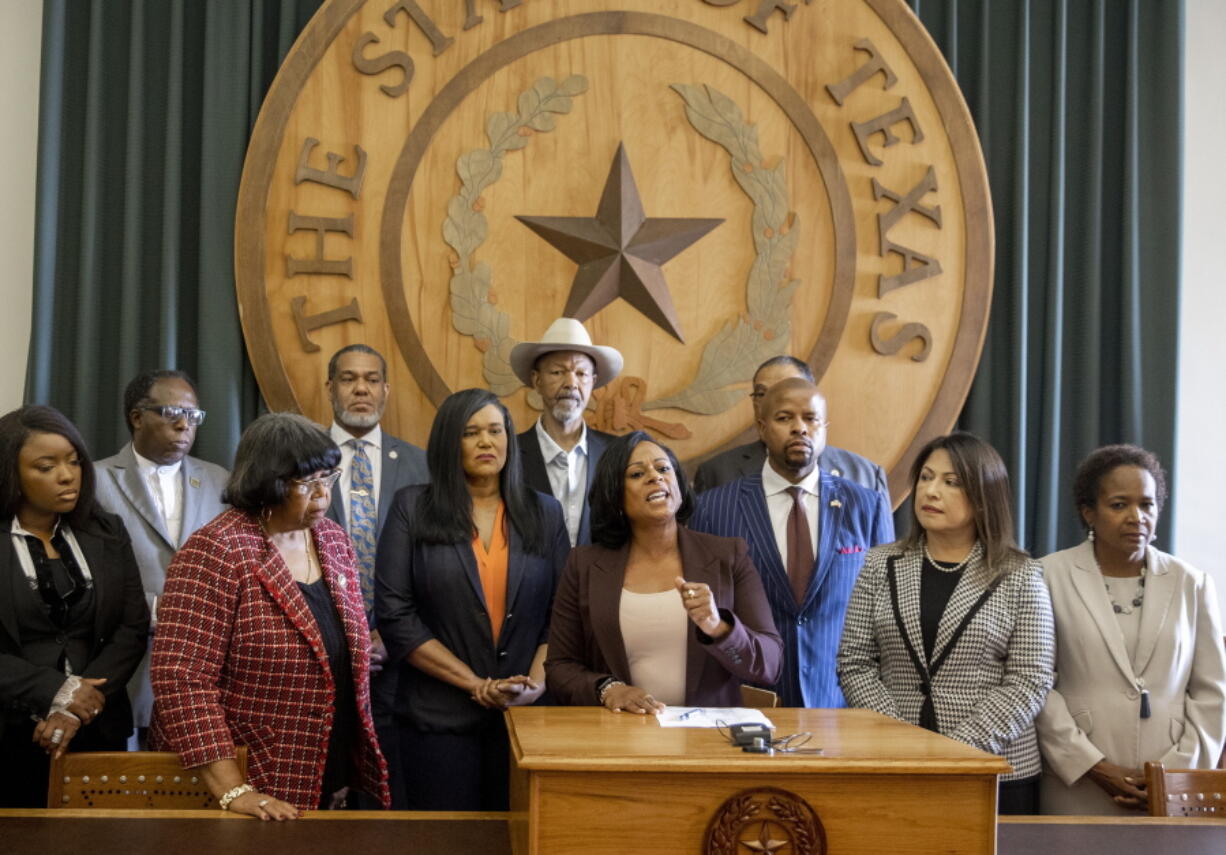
(195,418)
(312,485)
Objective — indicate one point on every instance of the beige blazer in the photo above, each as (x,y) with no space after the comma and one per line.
(1094,711)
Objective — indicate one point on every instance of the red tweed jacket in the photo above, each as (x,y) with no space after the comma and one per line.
(237,658)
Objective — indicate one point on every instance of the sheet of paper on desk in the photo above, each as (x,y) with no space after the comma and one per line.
(711,717)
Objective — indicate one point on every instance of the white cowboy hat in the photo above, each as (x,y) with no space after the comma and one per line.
(566,334)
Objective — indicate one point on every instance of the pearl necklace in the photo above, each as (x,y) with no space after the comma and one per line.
(957,567)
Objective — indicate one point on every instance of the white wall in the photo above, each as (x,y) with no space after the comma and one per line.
(1200,536)
(20,41)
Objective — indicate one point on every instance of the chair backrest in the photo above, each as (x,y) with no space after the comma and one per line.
(1185,792)
(755,698)
(141,780)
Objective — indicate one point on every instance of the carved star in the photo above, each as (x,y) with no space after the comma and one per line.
(765,842)
(620,250)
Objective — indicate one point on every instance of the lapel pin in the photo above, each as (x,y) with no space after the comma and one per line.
(195,482)
(341,580)
(835,503)
(392,454)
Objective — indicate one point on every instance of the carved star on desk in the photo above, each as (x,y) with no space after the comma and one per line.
(766,842)
(620,250)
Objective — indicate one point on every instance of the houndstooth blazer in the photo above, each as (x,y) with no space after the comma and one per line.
(994,680)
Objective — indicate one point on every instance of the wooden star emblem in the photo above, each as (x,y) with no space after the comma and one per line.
(766,842)
(620,250)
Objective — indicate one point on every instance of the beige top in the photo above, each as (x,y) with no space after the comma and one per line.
(654,630)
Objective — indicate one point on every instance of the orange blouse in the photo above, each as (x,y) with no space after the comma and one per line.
(492,568)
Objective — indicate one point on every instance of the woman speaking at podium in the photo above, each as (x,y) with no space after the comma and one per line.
(652,613)
(950,628)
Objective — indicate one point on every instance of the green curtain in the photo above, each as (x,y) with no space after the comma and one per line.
(145,112)
(1078,104)
(147,107)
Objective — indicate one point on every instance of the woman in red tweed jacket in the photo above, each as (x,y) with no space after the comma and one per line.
(262,639)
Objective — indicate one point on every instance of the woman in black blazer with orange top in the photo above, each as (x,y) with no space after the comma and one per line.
(652,613)
(73,618)
(464,581)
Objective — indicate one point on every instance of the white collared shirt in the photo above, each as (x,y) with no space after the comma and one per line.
(166,485)
(27,561)
(567,472)
(779,504)
(374,452)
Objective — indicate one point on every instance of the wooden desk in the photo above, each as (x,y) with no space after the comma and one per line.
(596,782)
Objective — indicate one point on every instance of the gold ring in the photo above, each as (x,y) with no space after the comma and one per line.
(689,594)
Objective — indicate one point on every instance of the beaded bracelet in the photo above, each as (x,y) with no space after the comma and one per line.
(231,795)
(608,684)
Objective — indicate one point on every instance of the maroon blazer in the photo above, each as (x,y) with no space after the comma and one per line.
(585,641)
(237,658)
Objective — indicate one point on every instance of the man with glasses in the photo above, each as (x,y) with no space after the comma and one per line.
(374,466)
(807,532)
(160,492)
(748,459)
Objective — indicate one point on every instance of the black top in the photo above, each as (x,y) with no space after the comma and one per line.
(937,585)
(343,741)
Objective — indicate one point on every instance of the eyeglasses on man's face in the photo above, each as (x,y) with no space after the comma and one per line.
(308,486)
(194,417)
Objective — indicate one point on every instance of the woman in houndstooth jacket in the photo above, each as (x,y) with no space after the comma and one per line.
(951,627)
(262,637)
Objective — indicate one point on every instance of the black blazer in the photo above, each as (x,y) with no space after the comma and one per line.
(536,475)
(427,591)
(121,628)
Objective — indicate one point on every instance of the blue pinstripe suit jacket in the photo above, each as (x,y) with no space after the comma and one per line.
(853,519)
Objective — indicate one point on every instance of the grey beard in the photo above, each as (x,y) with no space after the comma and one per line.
(344,418)
(566,411)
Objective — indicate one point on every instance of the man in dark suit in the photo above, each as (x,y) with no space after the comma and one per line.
(560,452)
(782,511)
(748,459)
(374,466)
(160,492)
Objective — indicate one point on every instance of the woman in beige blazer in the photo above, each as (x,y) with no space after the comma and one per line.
(1140,666)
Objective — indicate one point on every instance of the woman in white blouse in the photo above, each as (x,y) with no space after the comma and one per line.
(1140,667)
(653,614)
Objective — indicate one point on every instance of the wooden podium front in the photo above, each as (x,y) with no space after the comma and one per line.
(590,781)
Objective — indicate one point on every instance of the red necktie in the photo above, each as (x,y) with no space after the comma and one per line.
(800,547)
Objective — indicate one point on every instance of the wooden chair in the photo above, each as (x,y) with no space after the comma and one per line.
(141,780)
(1186,792)
(755,698)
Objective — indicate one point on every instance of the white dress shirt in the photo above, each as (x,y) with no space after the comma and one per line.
(374,452)
(567,476)
(166,485)
(779,504)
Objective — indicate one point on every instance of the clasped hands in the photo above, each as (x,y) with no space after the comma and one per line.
(1125,786)
(57,730)
(503,692)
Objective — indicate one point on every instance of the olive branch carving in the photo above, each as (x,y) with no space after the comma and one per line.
(762,331)
(474,302)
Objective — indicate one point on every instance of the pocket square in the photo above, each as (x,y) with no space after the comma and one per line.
(848,550)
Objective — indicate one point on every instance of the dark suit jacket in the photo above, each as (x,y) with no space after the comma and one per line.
(585,640)
(749,459)
(853,519)
(537,477)
(121,625)
(403,464)
(427,591)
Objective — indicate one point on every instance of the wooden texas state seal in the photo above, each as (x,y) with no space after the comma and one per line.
(765,819)
(705,183)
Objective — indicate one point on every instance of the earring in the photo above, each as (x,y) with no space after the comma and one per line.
(1090,536)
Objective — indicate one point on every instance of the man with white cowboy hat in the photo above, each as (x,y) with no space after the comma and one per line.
(560,452)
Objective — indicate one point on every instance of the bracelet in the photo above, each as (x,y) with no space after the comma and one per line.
(607,684)
(231,795)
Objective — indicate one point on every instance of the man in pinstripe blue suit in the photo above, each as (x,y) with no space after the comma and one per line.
(782,512)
